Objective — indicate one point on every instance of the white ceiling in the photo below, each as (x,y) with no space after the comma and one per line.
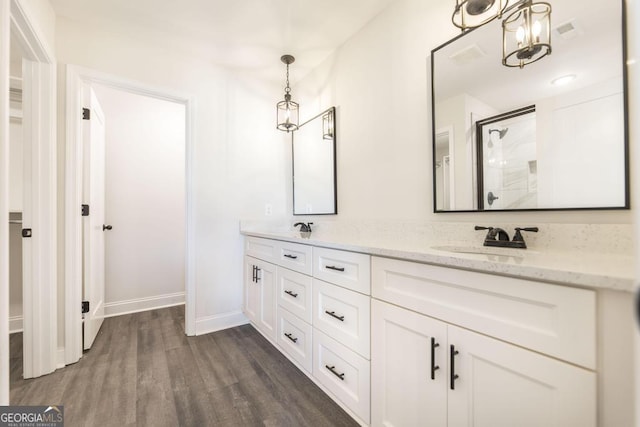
(247,34)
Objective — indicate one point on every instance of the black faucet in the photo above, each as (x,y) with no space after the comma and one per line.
(499,238)
(304,228)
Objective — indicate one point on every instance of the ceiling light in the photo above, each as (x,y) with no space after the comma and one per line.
(287,110)
(561,81)
(526,34)
(474,13)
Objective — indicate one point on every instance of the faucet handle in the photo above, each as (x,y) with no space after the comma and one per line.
(309,224)
(517,237)
(478,227)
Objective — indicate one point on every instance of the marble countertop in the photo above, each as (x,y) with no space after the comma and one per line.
(578,265)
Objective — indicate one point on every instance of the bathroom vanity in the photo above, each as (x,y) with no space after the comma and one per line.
(403,333)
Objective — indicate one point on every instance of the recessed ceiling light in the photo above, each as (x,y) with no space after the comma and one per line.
(561,81)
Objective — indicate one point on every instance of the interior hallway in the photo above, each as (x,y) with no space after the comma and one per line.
(143,370)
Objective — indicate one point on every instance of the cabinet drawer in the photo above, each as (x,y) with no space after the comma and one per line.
(264,249)
(343,372)
(295,338)
(348,269)
(342,314)
(295,292)
(552,319)
(295,257)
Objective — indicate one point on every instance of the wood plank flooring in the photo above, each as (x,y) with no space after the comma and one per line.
(143,370)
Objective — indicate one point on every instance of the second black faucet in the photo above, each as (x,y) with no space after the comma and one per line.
(497,237)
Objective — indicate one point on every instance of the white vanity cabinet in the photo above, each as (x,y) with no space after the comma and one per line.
(260,295)
(460,348)
(321,325)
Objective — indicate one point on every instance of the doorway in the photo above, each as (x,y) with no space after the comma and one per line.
(39,308)
(135,215)
(142,221)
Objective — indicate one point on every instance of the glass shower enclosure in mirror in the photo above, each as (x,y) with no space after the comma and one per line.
(314,165)
(551,135)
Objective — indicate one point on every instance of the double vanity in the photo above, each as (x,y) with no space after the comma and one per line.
(421,330)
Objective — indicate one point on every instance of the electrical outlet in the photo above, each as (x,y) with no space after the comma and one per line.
(268,209)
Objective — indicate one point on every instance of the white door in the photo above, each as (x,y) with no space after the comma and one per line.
(94,224)
(408,368)
(502,385)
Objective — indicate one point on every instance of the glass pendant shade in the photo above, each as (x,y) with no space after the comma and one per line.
(287,114)
(327,126)
(287,110)
(474,13)
(526,34)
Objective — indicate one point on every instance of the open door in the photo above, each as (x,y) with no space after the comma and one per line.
(93,130)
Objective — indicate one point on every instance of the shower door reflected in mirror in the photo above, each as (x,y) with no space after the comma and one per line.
(507,174)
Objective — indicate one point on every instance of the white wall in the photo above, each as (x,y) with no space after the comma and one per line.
(379,82)
(241,160)
(144,199)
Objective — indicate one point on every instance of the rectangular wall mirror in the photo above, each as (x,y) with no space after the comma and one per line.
(314,165)
(523,139)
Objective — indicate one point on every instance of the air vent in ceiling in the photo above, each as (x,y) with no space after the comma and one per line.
(568,30)
(467,55)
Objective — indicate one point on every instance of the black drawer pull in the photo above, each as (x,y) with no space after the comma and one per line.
(452,363)
(291,337)
(434,367)
(291,256)
(255,274)
(333,314)
(333,267)
(258,270)
(293,294)
(333,371)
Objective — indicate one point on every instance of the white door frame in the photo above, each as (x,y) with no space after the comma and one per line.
(76,77)
(39,107)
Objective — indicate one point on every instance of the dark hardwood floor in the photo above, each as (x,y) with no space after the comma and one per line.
(143,370)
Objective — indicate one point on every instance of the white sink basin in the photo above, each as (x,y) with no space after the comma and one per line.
(484,250)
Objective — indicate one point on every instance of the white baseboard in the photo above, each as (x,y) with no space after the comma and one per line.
(60,362)
(218,322)
(119,308)
(15,324)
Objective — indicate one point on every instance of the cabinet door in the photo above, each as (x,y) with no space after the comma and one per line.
(403,391)
(501,385)
(251,290)
(260,295)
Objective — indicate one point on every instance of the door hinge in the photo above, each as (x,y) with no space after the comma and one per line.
(85,307)
(86,114)
(85,210)
(26,232)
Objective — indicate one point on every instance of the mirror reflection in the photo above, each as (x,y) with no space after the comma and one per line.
(551,135)
(314,166)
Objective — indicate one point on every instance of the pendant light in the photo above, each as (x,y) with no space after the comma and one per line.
(287,110)
(526,34)
(474,13)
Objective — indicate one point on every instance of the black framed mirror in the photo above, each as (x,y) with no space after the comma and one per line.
(578,157)
(313,155)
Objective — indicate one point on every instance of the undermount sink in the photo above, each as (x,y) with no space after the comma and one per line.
(483,250)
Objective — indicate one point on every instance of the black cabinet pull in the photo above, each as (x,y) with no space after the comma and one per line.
(293,294)
(333,371)
(452,359)
(255,274)
(291,256)
(333,267)
(291,337)
(258,270)
(434,367)
(333,314)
